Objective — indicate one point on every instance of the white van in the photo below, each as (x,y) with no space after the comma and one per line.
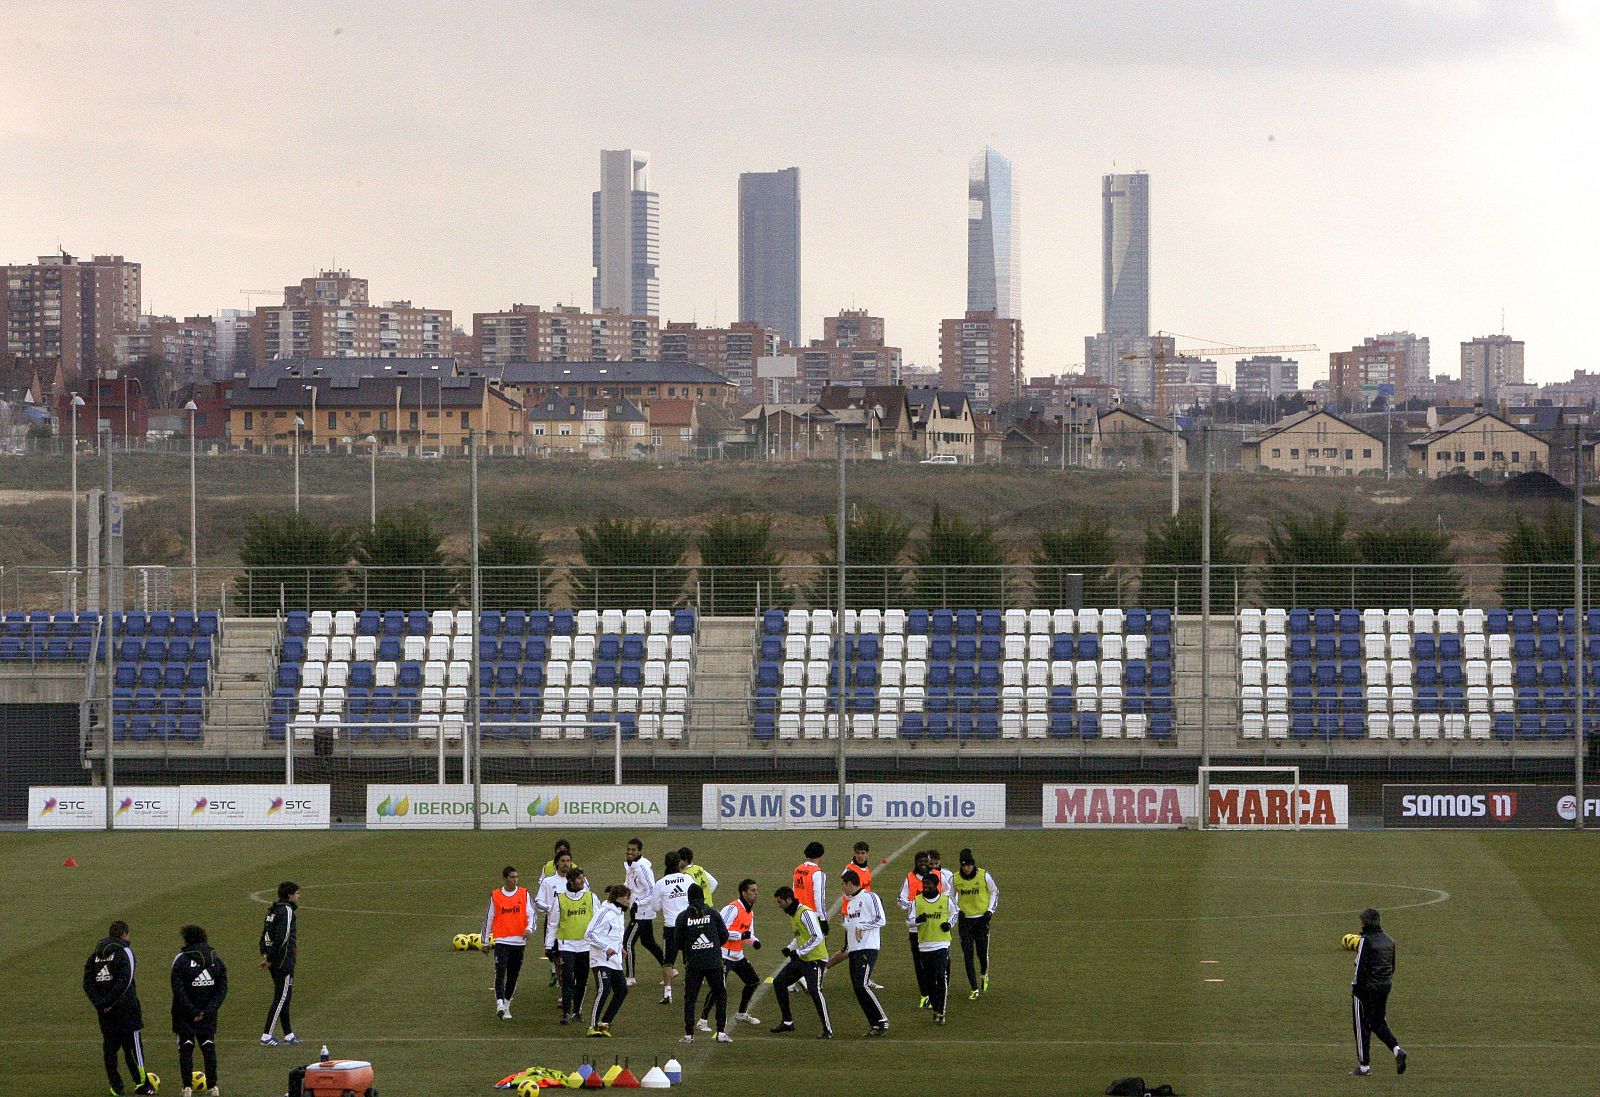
(942,459)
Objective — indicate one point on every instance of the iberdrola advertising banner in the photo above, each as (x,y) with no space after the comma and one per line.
(597,806)
(439,807)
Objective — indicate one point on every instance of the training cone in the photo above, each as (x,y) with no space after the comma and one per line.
(583,1072)
(610,1076)
(674,1071)
(70,862)
(594,1081)
(625,1080)
(655,1080)
(574,1081)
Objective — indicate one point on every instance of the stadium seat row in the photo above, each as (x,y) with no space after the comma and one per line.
(1417,622)
(444,622)
(967,622)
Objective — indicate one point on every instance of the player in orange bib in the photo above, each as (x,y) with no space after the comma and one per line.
(509,922)
(811,884)
(858,865)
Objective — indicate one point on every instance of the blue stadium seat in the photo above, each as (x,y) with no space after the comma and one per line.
(1138,622)
(540,622)
(966,649)
(913,725)
(772,622)
(943,622)
(1299,621)
(1522,622)
(1497,620)
(916,622)
(966,622)
(940,649)
(683,622)
(765,728)
(990,622)
(1088,647)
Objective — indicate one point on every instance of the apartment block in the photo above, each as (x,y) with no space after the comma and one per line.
(1266,377)
(852,351)
(981,354)
(566,333)
(732,351)
(330,316)
(1365,373)
(60,315)
(1490,362)
(187,346)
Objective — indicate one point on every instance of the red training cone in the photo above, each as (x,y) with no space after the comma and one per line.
(69,863)
(625,1080)
(594,1081)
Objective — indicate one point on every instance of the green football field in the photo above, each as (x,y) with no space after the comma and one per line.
(1209,961)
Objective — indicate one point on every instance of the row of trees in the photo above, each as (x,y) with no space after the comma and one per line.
(1310,559)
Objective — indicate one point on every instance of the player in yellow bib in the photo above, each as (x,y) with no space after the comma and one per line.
(977,898)
(569,921)
(807,957)
(934,916)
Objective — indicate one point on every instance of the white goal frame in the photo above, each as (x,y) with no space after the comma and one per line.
(1202,808)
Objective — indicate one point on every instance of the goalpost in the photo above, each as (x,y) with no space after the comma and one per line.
(1276,812)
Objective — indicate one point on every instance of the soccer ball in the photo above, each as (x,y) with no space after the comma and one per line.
(1350,942)
(475,940)
(153,1079)
(197,1080)
(461,942)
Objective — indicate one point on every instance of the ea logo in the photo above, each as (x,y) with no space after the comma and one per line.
(1567,807)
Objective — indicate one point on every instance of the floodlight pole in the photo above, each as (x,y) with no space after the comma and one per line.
(1578,602)
(1175,434)
(1205,606)
(106,631)
(838,625)
(77,402)
(194,538)
(477,614)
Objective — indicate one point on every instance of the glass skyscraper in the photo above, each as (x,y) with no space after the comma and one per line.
(1125,243)
(994,275)
(627,243)
(769,251)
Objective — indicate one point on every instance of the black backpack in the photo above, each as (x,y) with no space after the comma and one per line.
(1134,1087)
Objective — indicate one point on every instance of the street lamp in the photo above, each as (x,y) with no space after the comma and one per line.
(194,551)
(77,402)
(372,507)
(298,423)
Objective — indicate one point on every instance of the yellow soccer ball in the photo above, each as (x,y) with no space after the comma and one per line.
(197,1080)
(461,942)
(154,1079)
(1350,942)
(475,940)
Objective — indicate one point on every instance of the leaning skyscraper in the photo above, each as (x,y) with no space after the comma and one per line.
(1125,262)
(994,276)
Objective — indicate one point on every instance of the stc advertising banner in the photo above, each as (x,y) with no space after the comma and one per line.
(602,806)
(1507,807)
(1119,807)
(439,807)
(254,807)
(799,806)
(76,807)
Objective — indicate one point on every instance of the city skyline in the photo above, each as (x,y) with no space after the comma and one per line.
(1268,233)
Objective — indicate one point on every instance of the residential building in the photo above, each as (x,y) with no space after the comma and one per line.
(59,317)
(852,351)
(769,251)
(673,428)
(732,351)
(942,420)
(1054,440)
(598,428)
(981,353)
(187,346)
(1478,442)
(329,316)
(1414,347)
(1314,442)
(1265,377)
(529,333)
(402,412)
(1125,253)
(115,404)
(994,272)
(626,230)
(885,416)
(1127,362)
(1368,372)
(1488,362)
(234,357)
(344,370)
(1129,440)
(636,382)
(1052,393)
(790,432)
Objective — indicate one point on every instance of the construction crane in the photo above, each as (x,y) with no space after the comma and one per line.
(249,293)
(1158,357)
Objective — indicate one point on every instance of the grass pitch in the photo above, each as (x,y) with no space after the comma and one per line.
(1209,961)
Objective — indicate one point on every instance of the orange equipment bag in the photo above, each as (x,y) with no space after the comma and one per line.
(338,1078)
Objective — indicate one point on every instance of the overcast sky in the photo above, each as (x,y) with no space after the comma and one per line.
(1320,170)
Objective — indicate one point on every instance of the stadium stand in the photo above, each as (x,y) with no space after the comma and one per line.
(162,674)
(1427,674)
(549,674)
(47,638)
(984,674)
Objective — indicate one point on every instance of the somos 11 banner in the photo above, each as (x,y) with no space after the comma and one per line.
(1453,807)
(1124,807)
(592,806)
(439,807)
(798,806)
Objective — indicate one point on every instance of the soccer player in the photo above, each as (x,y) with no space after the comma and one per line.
(858,864)
(909,890)
(807,956)
(199,984)
(1369,994)
(707,882)
(671,898)
(552,884)
(936,866)
(280,937)
(863,919)
(564,933)
(605,940)
(108,980)
(640,876)
(934,917)
(701,933)
(562,846)
(738,916)
(811,884)
(977,898)
(510,920)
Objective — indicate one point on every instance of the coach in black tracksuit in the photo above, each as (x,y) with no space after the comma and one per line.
(701,933)
(108,980)
(199,984)
(1369,993)
(279,937)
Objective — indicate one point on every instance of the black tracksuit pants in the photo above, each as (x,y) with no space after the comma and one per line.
(639,932)
(507,966)
(975,942)
(916,963)
(574,970)
(1370,1013)
(282,992)
(809,974)
(205,1035)
(746,971)
(117,1039)
(716,995)
(610,989)
(936,977)
(862,961)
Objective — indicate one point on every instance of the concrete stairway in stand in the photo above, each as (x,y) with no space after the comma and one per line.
(723,677)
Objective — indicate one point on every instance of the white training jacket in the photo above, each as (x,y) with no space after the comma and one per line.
(813,927)
(640,876)
(605,932)
(863,921)
(729,913)
(672,897)
(519,939)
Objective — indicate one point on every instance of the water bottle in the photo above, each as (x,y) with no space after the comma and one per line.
(324,1053)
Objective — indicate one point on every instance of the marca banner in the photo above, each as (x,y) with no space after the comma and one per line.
(254,807)
(1119,807)
(799,806)
(1508,807)
(76,807)
(439,807)
(592,806)
(1319,807)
